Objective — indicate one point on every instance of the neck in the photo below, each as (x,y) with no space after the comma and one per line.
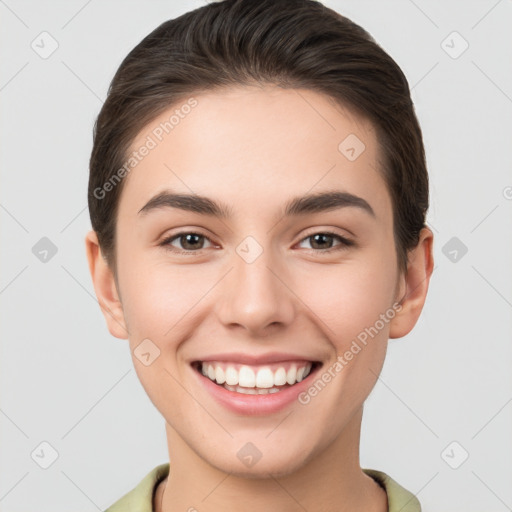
(331,480)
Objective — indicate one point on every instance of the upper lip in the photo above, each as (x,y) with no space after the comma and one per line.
(244,358)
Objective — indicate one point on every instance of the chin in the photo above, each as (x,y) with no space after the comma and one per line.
(277,466)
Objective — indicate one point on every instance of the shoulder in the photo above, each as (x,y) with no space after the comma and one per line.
(399,498)
(140,499)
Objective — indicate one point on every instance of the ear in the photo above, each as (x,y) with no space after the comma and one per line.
(105,287)
(414,285)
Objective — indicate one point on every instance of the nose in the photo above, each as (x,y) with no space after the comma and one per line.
(255,296)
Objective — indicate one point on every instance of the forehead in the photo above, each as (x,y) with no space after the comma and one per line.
(247,144)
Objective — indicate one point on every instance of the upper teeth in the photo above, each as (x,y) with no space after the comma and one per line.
(259,377)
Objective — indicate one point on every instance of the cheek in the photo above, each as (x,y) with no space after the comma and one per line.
(156,295)
(350,297)
(158,305)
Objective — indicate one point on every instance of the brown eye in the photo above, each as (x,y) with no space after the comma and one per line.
(188,241)
(323,241)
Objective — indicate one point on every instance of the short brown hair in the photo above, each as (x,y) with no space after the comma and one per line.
(288,43)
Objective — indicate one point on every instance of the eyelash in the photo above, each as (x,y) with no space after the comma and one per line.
(345,242)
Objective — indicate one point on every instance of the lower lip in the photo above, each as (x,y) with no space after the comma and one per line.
(253,405)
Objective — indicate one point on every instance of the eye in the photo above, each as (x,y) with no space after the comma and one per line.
(189,241)
(323,241)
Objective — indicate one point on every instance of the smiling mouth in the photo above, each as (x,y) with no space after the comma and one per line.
(256,380)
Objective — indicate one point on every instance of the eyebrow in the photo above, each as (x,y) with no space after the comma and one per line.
(301,205)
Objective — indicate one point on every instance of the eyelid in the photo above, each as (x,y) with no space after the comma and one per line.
(327,231)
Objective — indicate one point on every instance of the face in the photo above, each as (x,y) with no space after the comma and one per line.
(263,294)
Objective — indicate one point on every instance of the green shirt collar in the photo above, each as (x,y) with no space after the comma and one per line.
(140,499)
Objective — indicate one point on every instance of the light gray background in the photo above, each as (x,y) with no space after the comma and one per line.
(65,381)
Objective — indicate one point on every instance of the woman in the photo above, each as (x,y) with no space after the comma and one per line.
(258,193)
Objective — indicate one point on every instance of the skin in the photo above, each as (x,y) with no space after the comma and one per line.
(254,148)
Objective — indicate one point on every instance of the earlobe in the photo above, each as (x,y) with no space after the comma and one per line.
(416,282)
(105,287)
